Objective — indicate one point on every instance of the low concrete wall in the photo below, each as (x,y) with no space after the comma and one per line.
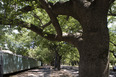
(14,63)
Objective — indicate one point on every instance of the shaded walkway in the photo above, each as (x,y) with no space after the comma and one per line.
(47,71)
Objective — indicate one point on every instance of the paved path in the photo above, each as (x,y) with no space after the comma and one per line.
(47,71)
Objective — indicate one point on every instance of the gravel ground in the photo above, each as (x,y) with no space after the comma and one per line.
(47,71)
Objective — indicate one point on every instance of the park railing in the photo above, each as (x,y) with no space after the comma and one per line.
(10,63)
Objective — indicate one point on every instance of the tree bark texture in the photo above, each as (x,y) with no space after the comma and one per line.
(94,56)
(94,46)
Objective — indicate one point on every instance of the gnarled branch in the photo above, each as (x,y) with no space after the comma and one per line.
(38,18)
(113,53)
(111,1)
(52,17)
(111,14)
(113,43)
(47,24)
(39,31)
(63,8)
(26,9)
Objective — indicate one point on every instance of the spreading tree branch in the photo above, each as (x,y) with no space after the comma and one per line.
(111,1)
(26,9)
(113,53)
(38,18)
(52,16)
(113,43)
(52,37)
(47,24)
(66,8)
(63,8)
(111,14)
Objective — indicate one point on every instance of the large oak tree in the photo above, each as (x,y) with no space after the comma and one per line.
(93,43)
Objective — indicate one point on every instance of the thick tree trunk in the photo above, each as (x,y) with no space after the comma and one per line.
(94,57)
(94,54)
(94,65)
(94,45)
